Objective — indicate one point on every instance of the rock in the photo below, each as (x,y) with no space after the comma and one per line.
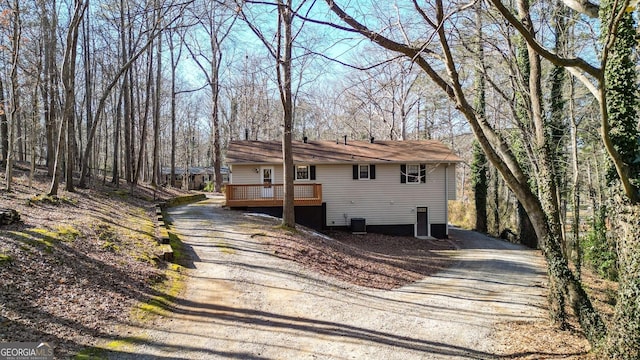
(9,216)
(166,252)
(509,235)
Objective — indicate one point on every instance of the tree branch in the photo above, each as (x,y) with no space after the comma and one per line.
(544,52)
(584,7)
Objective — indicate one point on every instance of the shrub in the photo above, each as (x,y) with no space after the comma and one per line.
(462,214)
(600,253)
(209,186)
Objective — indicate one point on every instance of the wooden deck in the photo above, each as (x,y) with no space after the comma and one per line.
(260,195)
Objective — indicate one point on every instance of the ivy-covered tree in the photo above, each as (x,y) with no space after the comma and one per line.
(479,180)
(556,125)
(480,185)
(620,82)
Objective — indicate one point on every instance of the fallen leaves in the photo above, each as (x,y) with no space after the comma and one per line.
(60,279)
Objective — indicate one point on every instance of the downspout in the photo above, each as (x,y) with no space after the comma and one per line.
(446,200)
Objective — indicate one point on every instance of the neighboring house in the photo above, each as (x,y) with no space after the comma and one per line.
(395,187)
(196,178)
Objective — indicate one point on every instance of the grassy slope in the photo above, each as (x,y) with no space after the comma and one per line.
(77,266)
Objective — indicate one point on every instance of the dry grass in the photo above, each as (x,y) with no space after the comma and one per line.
(371,260)
(463,214)
(544,340)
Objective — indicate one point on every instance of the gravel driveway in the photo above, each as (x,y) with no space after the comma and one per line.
(242,302)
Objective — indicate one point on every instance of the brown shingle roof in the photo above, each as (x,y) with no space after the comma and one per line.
(328,152)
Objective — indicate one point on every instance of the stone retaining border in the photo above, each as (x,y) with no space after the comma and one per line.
(166,252)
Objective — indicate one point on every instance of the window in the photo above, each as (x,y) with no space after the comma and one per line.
(413,173)
(302,172)
(305,172)
(364,172)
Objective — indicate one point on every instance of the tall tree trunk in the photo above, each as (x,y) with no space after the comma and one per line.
(172,175)
(479,163)
(16,39)
(496,201)
(547,185)
(88,80)
(526,232)
(480,185)
(524,114)
(557,124)
(155,172)
(55,180)
(285,45)
(128,155)
(35,120)
(4,127)
(49,20)
(115,171)
(215,89)
(145,116)
(18,127)
(575,184)
(106,150)
(562,280)
(68,81)
(620,129)
(624,336)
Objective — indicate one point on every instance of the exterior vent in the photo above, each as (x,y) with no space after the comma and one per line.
(358,226)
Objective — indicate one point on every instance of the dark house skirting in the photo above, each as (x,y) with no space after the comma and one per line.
(315,217)
(438,231)
(309,216)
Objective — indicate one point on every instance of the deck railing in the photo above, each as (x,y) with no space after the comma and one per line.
(271,195)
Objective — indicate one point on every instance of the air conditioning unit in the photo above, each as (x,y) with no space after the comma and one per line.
(358,226)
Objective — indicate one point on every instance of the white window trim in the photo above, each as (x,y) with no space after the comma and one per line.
(368,172)
(407,176)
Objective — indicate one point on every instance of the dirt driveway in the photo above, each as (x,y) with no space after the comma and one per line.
(242,302)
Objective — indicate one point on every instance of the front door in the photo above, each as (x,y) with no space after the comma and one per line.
(422,222)
(266,177)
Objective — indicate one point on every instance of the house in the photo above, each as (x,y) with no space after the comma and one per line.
(196,176)
(393,187)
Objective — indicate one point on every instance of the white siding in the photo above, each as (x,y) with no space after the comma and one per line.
(247,174)
(381,201)
(452,183)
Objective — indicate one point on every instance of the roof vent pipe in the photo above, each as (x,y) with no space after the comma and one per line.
(246,134)
(372,139)
(305,139)
(345,139)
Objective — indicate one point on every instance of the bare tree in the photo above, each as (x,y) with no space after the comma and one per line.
(217,22)
(282,52)
(69,84)
(4,124)
(155,177)
(16,39)
(49,23)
